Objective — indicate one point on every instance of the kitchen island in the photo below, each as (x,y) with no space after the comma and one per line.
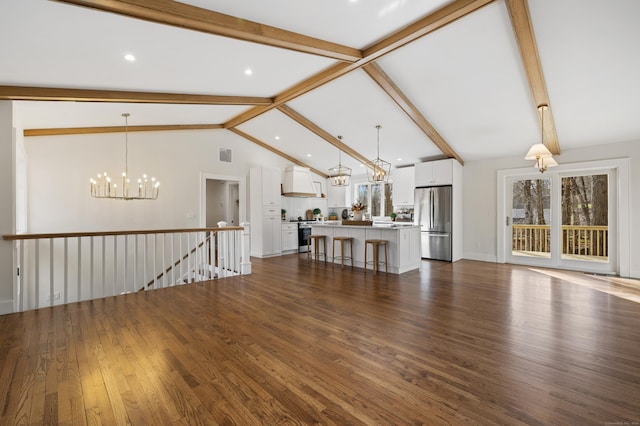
(403,243)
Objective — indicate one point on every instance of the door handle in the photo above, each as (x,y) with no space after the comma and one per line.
(507,221)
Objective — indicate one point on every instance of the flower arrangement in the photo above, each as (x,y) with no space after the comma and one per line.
(358,207)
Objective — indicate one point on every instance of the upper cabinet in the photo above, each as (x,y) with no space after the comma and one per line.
(270,179)
(434,173)
(403,186)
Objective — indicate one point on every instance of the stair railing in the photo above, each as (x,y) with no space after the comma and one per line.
(60,268)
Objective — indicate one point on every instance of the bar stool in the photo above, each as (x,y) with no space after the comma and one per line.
(342,257)
(316,247)
(375,246)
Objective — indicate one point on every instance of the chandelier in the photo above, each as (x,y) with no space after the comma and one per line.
(143,189)
(539,152)
(379,170)
(340,175)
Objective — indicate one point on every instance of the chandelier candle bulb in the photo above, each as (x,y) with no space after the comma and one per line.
(102,188)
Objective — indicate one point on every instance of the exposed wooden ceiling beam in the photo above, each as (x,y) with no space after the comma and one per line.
(117,129)
(385,82)
(24,93)
(315,81)
(277,152)
(521,22)
(207,21)
(438,19)
(299,118)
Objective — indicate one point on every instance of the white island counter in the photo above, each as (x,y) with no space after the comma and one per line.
(403,244)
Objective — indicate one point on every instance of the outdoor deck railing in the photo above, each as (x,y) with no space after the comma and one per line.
(63,268)
(576,240)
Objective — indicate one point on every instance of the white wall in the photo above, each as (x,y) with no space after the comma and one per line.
(480,197)
(7,195)
(60,168)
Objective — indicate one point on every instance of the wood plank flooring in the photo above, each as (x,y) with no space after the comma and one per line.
(303,343)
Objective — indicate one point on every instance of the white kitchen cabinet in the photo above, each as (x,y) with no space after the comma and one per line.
(438,172)
(403,186)
(264,212)
(289,237)
(272,236)
(271,186)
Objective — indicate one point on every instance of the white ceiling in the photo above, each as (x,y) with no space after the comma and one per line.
(467,78)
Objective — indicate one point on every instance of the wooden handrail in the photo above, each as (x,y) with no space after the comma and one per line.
(14,237)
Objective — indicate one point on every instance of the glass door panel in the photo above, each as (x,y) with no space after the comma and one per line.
(531,218)
(585,218)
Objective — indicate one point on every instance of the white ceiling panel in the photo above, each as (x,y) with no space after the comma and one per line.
(69,46)
(591,60)
(93,114)
(286,135)
(352,106)
(354,23)
(468,80)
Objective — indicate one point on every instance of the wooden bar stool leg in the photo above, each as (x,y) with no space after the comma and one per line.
(351,252)
(365,255)
(386,262)
(324,240)
(333,251)
(375,258)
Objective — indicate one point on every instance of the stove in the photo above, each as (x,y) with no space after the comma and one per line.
(304,231)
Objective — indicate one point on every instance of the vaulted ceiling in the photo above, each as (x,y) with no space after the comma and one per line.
(459,79)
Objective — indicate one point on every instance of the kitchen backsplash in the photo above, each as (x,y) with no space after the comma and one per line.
(297,207)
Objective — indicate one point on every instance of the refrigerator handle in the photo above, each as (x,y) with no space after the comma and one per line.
(433,208)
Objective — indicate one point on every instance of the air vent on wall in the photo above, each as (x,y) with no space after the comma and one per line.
(225,155)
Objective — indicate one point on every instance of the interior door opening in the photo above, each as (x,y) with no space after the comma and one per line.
(222,202)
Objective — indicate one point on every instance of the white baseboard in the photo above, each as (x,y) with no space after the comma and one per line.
(483,257)
(635,274)
(6,307)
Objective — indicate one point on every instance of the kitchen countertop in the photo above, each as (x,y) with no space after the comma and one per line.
(384,225)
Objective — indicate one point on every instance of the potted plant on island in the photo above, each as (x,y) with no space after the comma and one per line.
(316,213)
(358,210)
(393,216)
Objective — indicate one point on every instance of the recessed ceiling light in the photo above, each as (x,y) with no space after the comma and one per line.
(308,155)
(129,57)
(248,71)
(399,159)
(277,138)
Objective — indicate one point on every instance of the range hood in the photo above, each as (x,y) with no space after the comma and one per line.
(298,182)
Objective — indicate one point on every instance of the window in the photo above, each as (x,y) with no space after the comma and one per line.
(378,197)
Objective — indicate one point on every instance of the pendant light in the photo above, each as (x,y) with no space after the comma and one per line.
(379,170)
(340,175)
(539,152)
(143,189)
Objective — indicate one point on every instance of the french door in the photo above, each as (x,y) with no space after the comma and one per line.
(565,219)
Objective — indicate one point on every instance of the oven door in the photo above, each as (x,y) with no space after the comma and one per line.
(304,231)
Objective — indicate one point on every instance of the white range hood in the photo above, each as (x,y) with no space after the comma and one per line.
(298,182)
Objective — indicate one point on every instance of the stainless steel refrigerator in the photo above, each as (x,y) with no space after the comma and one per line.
(433,214)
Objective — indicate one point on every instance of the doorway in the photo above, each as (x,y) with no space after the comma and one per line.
(570,217)
(222,200)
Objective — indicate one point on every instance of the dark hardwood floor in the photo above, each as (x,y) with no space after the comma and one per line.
(305,343)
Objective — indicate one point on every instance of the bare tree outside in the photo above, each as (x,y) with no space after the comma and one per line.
(584,217)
